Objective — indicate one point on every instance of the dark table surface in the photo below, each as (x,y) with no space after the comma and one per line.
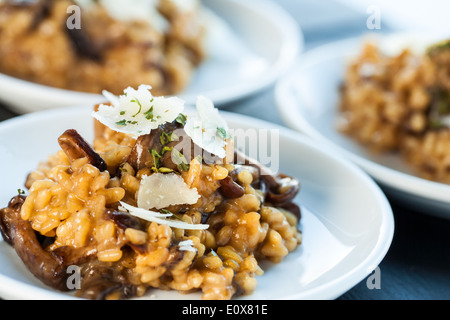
(417,266)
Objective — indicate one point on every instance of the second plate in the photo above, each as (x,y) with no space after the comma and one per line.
(307,99)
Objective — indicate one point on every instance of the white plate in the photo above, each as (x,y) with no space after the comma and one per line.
(251,43)
(307,99)
(347,222)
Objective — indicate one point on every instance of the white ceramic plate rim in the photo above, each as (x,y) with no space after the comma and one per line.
(294,118)
(292,44)
(330,290)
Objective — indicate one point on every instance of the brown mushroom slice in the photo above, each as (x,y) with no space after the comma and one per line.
(19,233)
(294,209)
(123,220)
(141,154)
(75,147)
(282,189)
(230,189)
(101,281)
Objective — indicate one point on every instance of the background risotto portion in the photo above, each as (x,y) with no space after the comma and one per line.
(116,45)
(401,103)
(73,205)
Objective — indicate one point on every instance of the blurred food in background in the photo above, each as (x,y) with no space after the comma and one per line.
(401,102)
(157,42)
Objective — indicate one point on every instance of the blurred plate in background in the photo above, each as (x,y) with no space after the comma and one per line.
(308,98)
(251,43)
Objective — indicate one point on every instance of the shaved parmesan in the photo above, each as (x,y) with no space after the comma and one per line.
(160,218)
(142,213)
(137,112)
(160,190)
(208,129)
(187,245)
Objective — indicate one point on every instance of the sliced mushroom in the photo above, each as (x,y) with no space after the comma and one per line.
(19,233)
(175,257)
(230,189)
(279,189)
(9,216)
(101,281)
(294,209)
(75,147)
(85,43)
(282,189)
(141,154)
(123,220)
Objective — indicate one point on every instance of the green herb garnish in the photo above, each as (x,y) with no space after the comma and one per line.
(166,149)
(181,119)
(173,215)
(222,133)
(149,114)
(165,137)
(179,159)
(140,107)
(156,156)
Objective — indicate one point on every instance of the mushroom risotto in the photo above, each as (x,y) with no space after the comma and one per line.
(401,103)
(88,45)
(159,200)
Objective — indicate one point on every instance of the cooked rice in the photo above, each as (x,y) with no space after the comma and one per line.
(400,104)
(105,54)
(67,201)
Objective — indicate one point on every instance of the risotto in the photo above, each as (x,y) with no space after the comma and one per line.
(401,103)
(112,44)
(136,211)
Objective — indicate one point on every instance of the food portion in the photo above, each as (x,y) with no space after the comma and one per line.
(108,44)
(401,103)
(159,200)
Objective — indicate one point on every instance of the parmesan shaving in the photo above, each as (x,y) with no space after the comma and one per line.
(160,218)
(137,112)
(187,245)
(142,213)
(208,129)
(160,190)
